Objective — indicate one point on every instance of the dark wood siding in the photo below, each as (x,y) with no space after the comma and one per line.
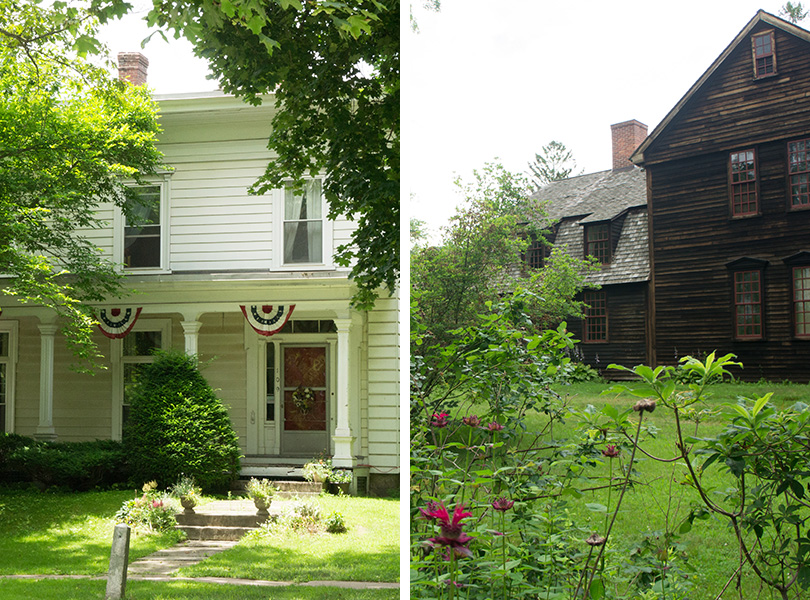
(627,328)
(733,109)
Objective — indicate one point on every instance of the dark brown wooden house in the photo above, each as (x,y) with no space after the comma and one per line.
(728,179)
(604,215)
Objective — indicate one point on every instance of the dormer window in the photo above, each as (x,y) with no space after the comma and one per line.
(764,54)
(597,242)
(534,253)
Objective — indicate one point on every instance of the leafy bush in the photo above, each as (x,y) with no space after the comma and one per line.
(77,466)
(177,425)
(152,512)
(335,523)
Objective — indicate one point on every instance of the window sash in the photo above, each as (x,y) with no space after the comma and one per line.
(748,305)
(303,224)
(597,242)
(799,171)
(762,46)
(801,301)
(596,317)
(534,254)
(142,237)
(743,178)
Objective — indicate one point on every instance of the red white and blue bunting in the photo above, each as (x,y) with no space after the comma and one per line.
(267,319)
(117,322)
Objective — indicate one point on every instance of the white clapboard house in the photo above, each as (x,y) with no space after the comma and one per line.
(247,283)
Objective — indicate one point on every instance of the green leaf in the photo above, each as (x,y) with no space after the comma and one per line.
(596,507)
(597,590)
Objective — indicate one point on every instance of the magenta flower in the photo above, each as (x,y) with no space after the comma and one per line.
(452,535)
(431,510)
(472,421)
(495,426)
(503,504)
(610,451)
(440,419)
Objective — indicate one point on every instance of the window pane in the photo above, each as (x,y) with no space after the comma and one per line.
(142,343)
(142,231)
(4,340)
(270,383)
(303,242)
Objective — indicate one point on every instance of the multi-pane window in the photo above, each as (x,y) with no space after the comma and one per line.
(142,244)
(597,242)
(596,317)
(270,383)
(139,348)
(743,183)
(762,47)
(303,224)
(748,305)
(799,170)
(534,254)
(801,301)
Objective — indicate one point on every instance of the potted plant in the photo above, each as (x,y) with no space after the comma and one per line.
(341,480)
(261,491)
(188,492)
(318,470)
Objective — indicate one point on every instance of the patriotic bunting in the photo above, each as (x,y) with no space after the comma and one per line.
(267,319)
(117,322)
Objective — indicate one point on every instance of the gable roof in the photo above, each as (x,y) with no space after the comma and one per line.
(761,17)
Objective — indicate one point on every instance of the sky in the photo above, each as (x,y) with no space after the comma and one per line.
(485,80)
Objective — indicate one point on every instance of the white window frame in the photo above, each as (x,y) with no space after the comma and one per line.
(119,223)
(13,329)
(164,326)
(327,261)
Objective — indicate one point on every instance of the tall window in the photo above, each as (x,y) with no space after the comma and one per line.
(534,254)
(142,231)
(763,49)
(801,301)
(303,224)
(748,305)
(270,383)
(596,317)
(597,242)
(8,359)
(743,177)
(139,348)
(799,170)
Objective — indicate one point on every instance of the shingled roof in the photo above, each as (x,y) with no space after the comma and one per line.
(603,196)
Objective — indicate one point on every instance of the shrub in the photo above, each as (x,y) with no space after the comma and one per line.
(335,523)
(151,512)
(177,425)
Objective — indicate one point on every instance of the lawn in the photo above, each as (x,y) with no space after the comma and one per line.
(71,533)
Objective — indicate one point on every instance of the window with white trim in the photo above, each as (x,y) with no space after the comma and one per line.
(303,231)
(8,362)
(142,236)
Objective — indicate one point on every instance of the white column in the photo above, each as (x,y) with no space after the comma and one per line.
(342,436)
(45,429)
(191,329)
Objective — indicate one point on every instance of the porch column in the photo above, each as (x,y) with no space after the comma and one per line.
(342,437)
(45,429)
(191,329)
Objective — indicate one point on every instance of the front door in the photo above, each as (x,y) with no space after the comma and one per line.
(305,411)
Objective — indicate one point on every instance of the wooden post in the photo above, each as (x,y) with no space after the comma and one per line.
(119,557)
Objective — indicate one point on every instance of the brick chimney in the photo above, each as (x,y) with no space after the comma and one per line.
(132,67)
(627,137)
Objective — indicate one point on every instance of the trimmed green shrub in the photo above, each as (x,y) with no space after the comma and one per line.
(177,425)
(78,466)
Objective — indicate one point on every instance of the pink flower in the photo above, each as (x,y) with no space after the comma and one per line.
(503,504)
(472,421)
(452,534)
(440,419)
(495,426)
(610,451)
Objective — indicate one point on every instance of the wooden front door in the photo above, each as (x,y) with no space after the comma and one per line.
(305,410)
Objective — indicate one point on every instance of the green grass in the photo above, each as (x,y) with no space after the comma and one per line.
(65,533)
(369,551)
(82,589)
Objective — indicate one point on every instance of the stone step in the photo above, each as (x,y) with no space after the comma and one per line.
(220,520)
(206,532)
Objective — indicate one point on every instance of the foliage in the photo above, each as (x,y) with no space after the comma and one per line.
(554,162)
(185,487)
(78,466)
(479,260)
(335,522)
(334,70)
(71,135)
(260,489)
(318,470)
(178,425)
(340,476)
(793,12)
(150,512)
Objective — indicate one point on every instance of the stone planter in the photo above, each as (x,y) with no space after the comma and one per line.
(338,488)
(262,504)
(188,503)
